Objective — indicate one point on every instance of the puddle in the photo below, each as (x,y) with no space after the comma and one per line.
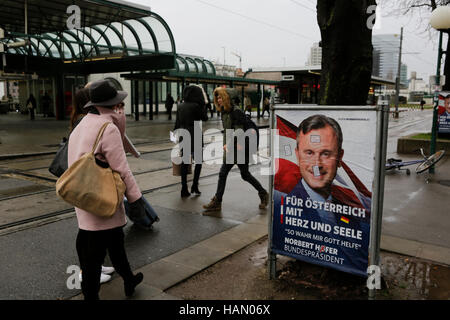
(417,279)
(404,278)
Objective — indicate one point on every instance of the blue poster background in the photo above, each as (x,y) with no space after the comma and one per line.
(444,123)
(297,238)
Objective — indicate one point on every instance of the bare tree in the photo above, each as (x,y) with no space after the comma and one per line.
(346,51)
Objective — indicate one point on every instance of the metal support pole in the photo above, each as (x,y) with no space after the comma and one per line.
(54,94)
(272,272)
(156,97)
(136,100)
(150,100)
(436,101)
(144,97)
(242,99)
(397,82)
(259,102)
(378,190)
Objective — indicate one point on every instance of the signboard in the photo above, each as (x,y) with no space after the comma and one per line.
(444,113)
(287,78)
(322,187)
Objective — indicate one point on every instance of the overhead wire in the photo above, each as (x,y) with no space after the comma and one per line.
(302,5)
(256,20)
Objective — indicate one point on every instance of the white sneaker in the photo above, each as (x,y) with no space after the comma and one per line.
(108,270)
(103,278)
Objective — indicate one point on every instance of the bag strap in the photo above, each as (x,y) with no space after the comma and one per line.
(99,136)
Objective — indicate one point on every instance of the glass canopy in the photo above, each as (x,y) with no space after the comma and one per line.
(133,37)
(190,64)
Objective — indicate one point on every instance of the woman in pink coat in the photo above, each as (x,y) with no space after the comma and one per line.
(97,235)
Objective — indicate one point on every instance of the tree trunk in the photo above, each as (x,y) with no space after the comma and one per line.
(346,51)
(446,87)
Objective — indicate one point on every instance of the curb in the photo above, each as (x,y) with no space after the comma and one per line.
(174,269)
(169,271)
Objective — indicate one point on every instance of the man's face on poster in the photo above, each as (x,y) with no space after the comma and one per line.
(318,156)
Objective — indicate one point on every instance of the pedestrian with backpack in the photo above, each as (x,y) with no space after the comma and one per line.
(232,118)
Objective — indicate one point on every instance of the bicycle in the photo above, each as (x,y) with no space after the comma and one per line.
(424,164)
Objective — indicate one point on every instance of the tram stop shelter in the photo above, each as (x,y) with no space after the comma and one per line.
(41,54)
(188,70)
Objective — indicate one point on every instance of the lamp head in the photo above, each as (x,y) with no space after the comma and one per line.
(440,18)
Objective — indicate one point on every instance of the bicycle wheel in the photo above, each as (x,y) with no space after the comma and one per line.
(431,160)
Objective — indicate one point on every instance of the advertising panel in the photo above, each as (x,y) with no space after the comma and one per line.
(444,113)
(322,189)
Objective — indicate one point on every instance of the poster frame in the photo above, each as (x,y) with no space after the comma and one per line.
(382,117)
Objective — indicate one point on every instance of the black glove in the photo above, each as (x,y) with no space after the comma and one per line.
(137,209)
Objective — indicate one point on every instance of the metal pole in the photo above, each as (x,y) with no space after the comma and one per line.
(259,102)
(150,98)
(272,272)
(378,184)
(397,82)
(156,97)
(144,96)
(136,100)
(26,16)
(436,101)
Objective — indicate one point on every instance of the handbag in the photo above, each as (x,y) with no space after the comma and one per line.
(176,169)
(90,187)
(59,163)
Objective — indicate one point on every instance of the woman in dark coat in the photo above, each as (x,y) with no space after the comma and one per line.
(192,109)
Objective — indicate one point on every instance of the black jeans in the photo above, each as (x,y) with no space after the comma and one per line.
(91,249)
(245,174)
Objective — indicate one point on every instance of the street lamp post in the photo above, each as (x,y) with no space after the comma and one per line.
(440,20)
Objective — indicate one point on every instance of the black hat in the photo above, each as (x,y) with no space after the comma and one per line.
(103,94)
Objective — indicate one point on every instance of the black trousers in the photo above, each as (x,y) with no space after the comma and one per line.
(245,174)
(91,249)
(184,173)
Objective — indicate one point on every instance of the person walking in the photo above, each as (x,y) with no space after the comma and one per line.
(46,104)
(248,105)
(97,235)
(192,110)
(31,104)
(78,112)
(209,106)
(266,107)
(169,105)
(232,120)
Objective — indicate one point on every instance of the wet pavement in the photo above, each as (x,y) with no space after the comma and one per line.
(415,220)
(404,278)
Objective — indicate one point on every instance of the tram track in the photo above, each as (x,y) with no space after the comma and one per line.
(25,173)
(58,213)
(55,215)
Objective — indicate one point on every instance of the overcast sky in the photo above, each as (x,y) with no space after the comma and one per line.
(276,33)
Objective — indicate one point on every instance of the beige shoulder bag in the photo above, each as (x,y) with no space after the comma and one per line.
(90,187)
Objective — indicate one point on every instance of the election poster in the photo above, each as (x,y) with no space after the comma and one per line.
(322,187)
(444,113)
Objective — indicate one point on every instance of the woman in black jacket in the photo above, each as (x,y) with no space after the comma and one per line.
(192,109)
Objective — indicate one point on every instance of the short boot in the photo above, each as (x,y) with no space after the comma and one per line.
(194,190)
(214,205)
(131,284)
(264,196)
(184,192)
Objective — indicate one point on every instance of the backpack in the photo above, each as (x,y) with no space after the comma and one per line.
(238,116)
